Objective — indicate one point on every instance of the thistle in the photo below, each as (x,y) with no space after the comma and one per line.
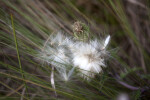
(89,57)
(81,31)
(56,53)
(68,53)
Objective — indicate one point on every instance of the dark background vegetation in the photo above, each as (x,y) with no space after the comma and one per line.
(127,21)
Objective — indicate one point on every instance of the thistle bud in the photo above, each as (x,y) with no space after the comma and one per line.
(81,31)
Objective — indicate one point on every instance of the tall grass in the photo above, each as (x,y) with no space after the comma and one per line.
(18,55)
(34,21)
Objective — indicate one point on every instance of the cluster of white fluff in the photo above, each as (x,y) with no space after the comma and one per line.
(88,57)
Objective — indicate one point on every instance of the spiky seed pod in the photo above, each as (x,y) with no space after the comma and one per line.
(77,27)
(81,31)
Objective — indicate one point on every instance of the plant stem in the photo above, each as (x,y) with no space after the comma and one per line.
(16,43)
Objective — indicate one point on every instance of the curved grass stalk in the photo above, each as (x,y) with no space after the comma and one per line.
(12,22)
